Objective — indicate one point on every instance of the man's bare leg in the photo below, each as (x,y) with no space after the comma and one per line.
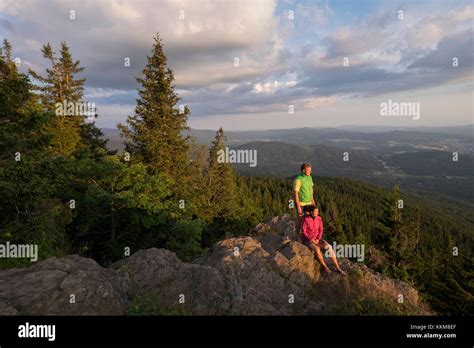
(299,220)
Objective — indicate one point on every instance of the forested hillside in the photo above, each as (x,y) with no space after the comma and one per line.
(414,243)
(429,162)
(281,159)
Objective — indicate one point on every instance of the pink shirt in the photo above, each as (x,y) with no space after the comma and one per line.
(312,228)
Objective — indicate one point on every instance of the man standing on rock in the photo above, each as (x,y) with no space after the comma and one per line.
(303,191)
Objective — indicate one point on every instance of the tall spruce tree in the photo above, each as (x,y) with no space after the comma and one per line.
(30,212)
(21,120)
(8,66)
(59,84)
(57,90)
(154,134)
(220,182)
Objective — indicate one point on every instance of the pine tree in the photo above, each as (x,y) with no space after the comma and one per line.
(21,120)
(8,66)
(226,207)
(91,136)
(59,84)
(30,212)
(93,139)
(220,182)
(390,221)
(394,234)
(154,133)
(333,224)
(58,90)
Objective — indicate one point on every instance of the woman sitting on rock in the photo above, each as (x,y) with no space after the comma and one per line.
(312,234)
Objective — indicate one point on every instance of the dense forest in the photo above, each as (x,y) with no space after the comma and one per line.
(60,187)
(429,162)
(427,244)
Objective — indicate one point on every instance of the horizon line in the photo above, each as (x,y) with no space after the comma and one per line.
(328,127)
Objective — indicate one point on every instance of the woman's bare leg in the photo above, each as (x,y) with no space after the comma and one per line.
(325,245)
(319,257)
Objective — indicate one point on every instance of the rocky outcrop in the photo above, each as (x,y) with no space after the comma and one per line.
(70,285)
(363,291)
(174,285)
(259,282)
(267,273)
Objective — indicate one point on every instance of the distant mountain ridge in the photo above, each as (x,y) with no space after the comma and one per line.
(283,160)
(419,158)
(373,138)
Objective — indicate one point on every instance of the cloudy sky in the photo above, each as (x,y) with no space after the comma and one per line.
(334,61)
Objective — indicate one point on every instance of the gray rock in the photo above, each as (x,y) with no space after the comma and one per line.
(159,274)
(46,288)
(259,284)
(6,309)
(276,232)
(297,262)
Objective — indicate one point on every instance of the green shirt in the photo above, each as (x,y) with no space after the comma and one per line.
(303,184)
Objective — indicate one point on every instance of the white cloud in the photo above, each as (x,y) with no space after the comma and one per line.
(201,46)
(272,86)
(103,92)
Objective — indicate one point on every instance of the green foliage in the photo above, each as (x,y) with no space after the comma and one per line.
(185,239)
(94,145)
(226,207)
(60,86)
(123,205)
(30,211)
(70,135)
(154,132)
(220,188)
